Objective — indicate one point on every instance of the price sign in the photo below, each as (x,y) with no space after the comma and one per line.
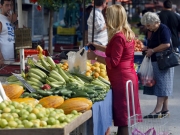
(23,38)
(21,79)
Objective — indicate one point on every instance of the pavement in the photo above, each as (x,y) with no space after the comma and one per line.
(148,104)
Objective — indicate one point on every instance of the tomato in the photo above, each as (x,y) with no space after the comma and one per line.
(39,8)
(153,82)
(46,86)
(32,1)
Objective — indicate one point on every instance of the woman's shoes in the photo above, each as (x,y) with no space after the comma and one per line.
(165,113)
(151,116)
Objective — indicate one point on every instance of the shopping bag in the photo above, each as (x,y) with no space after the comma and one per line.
(151,131)
(77,61)
(145,73)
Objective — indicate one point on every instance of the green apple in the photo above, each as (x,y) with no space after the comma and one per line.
(3,123)
(2,105)
(35,111)
(74,112)
(40,115)
(12,124)
(43,123)
(44,119)
(20,126)
(6,110)
(15,104)
(61,119)
(15,115)
(28,124)
(51,121)
(9,118)
(32,116)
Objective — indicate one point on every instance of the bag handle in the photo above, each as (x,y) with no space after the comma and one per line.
(171,45)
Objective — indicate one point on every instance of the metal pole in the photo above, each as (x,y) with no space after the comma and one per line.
(83,24)
(20,25)
(113,1)
(93,21)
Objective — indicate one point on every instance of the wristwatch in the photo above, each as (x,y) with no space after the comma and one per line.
(96,58)
(152,50)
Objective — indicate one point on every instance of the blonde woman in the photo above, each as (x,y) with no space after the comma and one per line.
(119,63)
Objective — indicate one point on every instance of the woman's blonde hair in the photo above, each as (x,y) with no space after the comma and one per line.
(117,22)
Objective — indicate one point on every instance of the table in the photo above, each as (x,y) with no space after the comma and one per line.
(101,117)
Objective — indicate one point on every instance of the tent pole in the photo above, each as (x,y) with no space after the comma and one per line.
(93,21)
(83,24)
(20,25)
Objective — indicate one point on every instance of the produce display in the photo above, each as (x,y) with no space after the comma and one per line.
(22,115)
(51,79)
(138,45)
(59,96)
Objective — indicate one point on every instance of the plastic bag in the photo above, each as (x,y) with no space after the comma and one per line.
(77,61)
(145,73)
(151,131)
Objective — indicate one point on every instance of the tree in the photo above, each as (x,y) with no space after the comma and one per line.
(54,5)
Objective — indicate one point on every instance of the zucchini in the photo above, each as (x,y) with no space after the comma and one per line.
(83,77)
(80,94)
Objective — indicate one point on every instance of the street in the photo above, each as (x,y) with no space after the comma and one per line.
(148,104)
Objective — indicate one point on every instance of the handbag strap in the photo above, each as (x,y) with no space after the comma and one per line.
(171,45)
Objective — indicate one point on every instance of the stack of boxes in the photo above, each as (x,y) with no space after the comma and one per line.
(66,38)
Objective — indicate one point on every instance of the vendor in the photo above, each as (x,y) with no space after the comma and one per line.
(7,23)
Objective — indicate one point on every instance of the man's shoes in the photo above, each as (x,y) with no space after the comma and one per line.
(155,116)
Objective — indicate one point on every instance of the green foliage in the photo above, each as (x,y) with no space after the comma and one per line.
(56,4)
(51,4)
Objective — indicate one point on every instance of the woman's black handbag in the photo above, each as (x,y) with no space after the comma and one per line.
(168,58)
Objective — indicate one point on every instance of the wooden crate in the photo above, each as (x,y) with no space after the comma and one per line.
(50,131)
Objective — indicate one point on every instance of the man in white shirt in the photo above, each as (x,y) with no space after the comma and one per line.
(7,22)
(100,31)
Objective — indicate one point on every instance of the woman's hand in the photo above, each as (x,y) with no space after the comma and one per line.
(91,55)
(149,52)
(98,46)
(144,48)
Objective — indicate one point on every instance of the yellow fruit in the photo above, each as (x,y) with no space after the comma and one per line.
(88,67)
(97,69)
(106,77)
(103,70)
(88,73)
(65,66)
(103,74)
(96,64)
(93,68)
(102,66)
(96,74)
(65,63)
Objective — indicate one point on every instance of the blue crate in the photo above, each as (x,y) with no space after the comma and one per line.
(138,59)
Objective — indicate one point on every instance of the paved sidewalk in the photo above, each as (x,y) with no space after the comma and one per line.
(148,103)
